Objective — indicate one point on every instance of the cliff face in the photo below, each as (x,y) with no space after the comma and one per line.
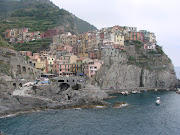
(152,71)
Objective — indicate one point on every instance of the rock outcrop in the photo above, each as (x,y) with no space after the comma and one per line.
(131,76)
(44,97)
(146,71)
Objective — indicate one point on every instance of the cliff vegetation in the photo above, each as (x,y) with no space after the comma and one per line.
(39,15)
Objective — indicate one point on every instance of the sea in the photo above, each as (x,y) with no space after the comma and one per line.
(140,117)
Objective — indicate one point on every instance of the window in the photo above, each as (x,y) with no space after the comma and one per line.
(60,70)
(95,67)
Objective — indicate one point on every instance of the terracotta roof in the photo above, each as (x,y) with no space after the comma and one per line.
(82,58)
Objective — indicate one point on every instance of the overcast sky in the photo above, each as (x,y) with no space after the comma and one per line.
(159,16)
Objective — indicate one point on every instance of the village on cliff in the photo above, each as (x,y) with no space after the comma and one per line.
(82,54)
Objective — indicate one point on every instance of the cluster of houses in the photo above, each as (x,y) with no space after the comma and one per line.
(21,35)
(66,65)
(84,54)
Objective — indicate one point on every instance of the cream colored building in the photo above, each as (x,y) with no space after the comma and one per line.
(49,63)
(118,38)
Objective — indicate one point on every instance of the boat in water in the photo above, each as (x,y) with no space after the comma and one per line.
(178,92)
(158,102)
(125,93)
(134,92)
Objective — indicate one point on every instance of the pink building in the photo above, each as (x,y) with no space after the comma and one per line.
(91,67)
(68,48)
(26,53)
(61,66)
(35,55)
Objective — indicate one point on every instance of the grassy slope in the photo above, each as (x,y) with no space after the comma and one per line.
(4,43)
(34,46)
(39,17)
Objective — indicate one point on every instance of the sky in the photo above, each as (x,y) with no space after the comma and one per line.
(159,16)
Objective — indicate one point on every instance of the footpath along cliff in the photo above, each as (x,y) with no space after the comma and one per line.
(136,67)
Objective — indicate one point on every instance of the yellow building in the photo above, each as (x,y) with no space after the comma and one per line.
(74,68)
(72,40)
(49,63)
(41,64)
(70,58)
(80,64)
(118,38)
(83,45)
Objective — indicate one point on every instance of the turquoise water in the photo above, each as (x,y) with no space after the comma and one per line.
(141,117)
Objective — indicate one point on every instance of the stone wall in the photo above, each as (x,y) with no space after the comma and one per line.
(20,68)
(111,55)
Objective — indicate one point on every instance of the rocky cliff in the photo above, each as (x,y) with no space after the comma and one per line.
(141,69)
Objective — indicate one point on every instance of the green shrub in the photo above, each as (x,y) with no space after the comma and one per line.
(132,58)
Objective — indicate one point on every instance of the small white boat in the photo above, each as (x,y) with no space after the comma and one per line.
(158,102)
(178,92)
(126,93)
(123,93)
(155,90)
(134,92)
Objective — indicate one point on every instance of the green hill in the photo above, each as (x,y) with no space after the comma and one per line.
(39,15)
(4,43)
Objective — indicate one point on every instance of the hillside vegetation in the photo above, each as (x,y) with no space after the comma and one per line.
(34,46)
(4,43)
(39,15)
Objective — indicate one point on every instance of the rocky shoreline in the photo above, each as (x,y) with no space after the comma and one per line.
(52,97)
(49,97)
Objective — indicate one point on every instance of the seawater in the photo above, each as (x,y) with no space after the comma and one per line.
(141,117)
